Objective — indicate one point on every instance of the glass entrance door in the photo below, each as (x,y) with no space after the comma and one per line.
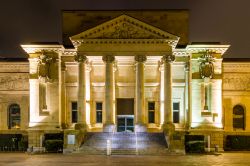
(125,123)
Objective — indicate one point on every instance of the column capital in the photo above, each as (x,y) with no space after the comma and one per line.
(80,57)
(187,67)
(140,58)
(168,58)
(108,58)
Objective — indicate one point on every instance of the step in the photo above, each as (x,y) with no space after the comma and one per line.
(123,152)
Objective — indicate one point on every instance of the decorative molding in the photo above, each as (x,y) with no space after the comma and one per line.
(206,67)
(79,57)
(168,58)
(14,67)
(140,58)
(30,48)
(221,49)
(236,67)
(124,27)
(108,58)
(11,81)
(234,81)
(187,67)
(45,63)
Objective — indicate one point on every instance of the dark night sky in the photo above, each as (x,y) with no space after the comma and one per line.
(26,21)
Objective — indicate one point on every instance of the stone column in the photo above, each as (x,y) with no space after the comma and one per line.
(168,111)
(81,91)
(187,116)
(88,92)
(190,95)
(62,95)
(109,92)
(139,93)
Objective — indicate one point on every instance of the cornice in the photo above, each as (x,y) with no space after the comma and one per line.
(29,48)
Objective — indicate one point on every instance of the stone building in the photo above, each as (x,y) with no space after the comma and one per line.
(125,71)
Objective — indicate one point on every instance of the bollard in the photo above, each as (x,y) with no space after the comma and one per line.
(216,148)
(108,148)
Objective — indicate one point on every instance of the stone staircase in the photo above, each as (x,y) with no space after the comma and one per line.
(95,143)
(151,144)
(125,143)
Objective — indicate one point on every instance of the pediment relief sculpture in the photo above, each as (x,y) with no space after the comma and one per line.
(124,27)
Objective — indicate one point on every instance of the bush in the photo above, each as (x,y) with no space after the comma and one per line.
(237,142)
(195,146)
(194,143)
(54,145)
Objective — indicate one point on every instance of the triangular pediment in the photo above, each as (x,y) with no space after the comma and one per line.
(124,27)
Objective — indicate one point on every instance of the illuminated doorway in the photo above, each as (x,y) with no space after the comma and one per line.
(125,115)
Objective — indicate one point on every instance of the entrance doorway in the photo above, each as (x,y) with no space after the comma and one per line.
(125,123)
(125,115)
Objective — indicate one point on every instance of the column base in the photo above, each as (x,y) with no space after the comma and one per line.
(109,128)
(168,128)
(81,126)
(140,128)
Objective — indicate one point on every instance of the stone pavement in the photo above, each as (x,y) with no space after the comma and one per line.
(224,159)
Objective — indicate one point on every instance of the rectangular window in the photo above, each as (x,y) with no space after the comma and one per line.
(151,112)
(74,112)
(176,112)
(98,112)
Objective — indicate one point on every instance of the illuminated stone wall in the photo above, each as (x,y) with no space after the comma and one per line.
(236,91)
(14,89)
(211,117)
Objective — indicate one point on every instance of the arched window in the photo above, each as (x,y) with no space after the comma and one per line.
(14,117)
(238,117)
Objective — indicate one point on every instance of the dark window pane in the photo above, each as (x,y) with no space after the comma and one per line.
(176,106)
(74,105)
(176,117)
(98,116)
(238,117)
(151,105)
(151,117)
(98,106)
(14,116)
(74,112)
(74,116)
(130,122)
(121,122)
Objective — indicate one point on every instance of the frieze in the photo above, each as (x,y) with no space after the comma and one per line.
(14,67)
(236,81)
(229,67)
(17,81)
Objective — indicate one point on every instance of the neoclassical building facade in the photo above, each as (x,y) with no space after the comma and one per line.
(126,74)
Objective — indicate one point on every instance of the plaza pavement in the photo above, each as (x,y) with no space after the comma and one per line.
(223,159)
